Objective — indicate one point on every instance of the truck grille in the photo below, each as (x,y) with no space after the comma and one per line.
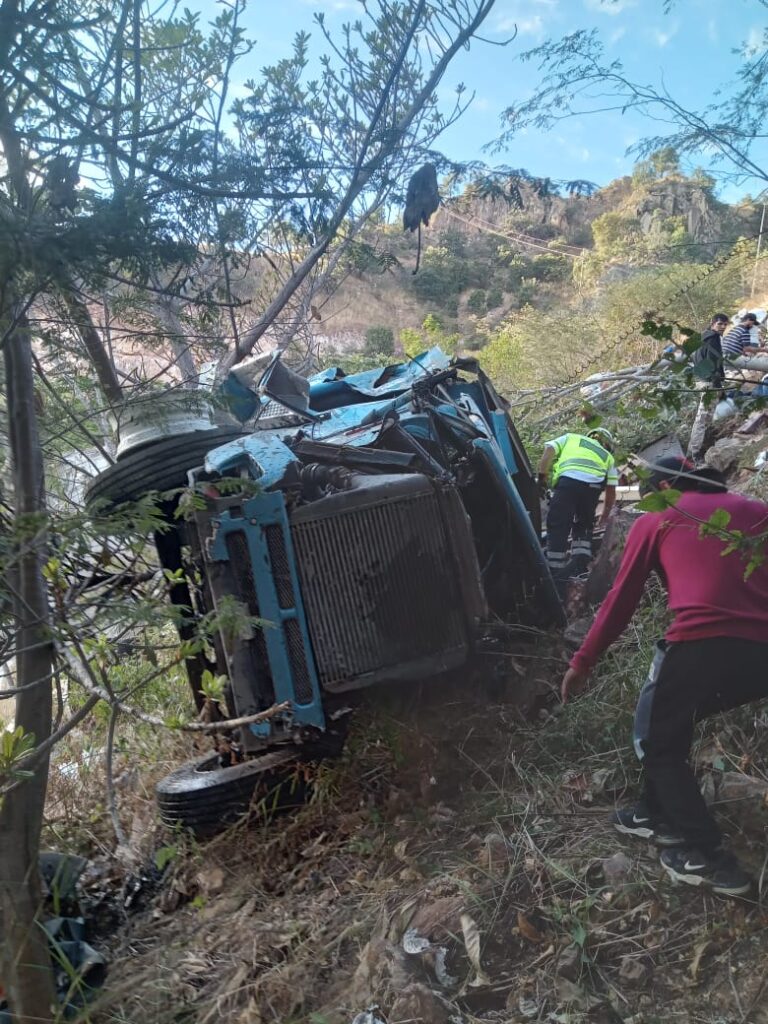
(245,590)
(380,588)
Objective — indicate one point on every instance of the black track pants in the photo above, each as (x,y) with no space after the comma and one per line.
(572,508)
(687,682)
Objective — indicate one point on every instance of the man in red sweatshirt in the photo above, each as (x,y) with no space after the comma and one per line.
(714,657)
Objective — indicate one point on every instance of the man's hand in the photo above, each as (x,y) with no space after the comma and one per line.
(573,684)
(542,485)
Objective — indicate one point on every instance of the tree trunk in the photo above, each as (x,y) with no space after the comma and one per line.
(25,964)
(94,346)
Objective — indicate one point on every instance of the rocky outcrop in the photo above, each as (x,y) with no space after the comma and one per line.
(703,214)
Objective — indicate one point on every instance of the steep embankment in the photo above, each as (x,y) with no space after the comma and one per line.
(457,865)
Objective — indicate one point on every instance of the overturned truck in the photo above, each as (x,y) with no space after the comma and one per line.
(386,523)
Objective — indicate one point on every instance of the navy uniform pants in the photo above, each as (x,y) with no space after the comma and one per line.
(571,511)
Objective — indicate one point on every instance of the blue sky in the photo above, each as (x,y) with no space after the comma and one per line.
(690,50)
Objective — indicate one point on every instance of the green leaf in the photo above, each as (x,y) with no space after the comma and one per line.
(579,934)
(719,519)
(164,856)
(212,686)
(658,501)
(14,746)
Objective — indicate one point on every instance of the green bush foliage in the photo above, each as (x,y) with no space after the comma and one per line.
(381,340)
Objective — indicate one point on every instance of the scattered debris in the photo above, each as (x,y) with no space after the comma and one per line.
(733,787)
(419,1003)
(569,962)
(757,421)
(78,968)
(634,971)
(472,945)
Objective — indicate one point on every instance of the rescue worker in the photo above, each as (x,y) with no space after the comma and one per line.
(581,466)
(713,658)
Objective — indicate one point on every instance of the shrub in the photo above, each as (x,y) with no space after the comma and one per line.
(494,299)
(476,303)
(551,267)
(380,339)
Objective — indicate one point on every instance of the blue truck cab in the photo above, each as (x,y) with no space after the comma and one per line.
(386,520)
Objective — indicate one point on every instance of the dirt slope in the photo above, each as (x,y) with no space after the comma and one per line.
(456,865)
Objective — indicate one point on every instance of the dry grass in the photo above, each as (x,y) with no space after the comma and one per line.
(447,805)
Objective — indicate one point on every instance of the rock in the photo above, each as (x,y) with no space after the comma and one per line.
(725,453)
(569,962)
(617,869)
(576,631)
(734,787)
(418,1004)
(633,971)
(757,421)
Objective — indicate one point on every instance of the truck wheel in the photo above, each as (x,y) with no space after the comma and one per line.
(205,797)
(160,466)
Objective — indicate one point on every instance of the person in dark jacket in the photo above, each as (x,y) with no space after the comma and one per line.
(713,658)
(711,348)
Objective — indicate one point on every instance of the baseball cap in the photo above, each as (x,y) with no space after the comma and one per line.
(676,470)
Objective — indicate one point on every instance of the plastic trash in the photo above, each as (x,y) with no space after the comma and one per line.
(725,407)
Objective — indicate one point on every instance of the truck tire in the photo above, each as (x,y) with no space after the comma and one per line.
(160,466)
(205,797)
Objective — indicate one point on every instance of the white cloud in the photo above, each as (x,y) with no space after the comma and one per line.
(531,26)
(661,38)
(712,31)
(756,39)
(611,7)
(529,17)
(615,36)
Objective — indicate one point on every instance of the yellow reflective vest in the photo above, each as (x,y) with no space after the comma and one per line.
(582,458)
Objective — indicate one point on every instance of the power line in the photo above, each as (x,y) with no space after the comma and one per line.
(519,238)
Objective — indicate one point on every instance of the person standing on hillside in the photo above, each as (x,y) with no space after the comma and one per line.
(739,340)
(714,657)
(581,466)
(711,348)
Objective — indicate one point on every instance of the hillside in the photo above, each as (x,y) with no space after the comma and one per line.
(486,264)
